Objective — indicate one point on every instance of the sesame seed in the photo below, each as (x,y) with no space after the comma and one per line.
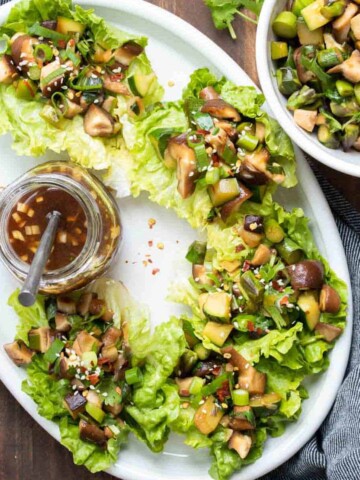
(201,402)
(224,405)
(92,387)
(227,355)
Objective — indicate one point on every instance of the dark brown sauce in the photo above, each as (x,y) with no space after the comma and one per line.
(28,221)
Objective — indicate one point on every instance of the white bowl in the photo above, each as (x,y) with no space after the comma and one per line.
(346,162)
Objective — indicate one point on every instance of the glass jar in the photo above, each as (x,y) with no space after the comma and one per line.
(102,218)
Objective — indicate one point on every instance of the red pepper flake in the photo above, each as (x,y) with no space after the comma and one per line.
(239,248)
(259,331)
(246,266)
(250,326)
(150,261)
(61,43)
(202,132)
(155,271)
(284,300)
(93,379)
(223,392)
(151,222)
(277,286)
(150,243)
(103,360)
(216,371)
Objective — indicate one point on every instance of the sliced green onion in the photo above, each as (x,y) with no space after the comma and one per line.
(53,352)
(247,141)
(34,72)
(60,103)
(215,385)
(133,376)
(41,31)
(196,385)
(212,176)
(229,155)
(240,397)
(215,131)
(196,141)
(4,44)
(72,57)
(55,74)
(43,52)
(86,84)
(194,138)
(275,168)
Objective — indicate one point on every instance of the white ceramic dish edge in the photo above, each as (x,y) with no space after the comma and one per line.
(336,159)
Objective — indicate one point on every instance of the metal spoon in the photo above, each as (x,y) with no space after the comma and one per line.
(27,296)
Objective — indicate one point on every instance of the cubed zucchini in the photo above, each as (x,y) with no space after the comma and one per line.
(309,304)
(140,84)
(312,15)
(208,416)
(217,332)
(67,26)
(217,306)
(225,190)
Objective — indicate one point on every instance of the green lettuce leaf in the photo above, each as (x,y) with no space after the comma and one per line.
(46,391)
(93,457)
(29,317)
(199,79)
(245,99)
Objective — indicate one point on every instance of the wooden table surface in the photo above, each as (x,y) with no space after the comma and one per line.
(27,452)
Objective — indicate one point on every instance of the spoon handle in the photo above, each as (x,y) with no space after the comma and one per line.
(27,296)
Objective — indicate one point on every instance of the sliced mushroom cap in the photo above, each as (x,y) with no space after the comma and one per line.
(66,304)
(350,68)
(304,75)
(341,26)
(251,175)
(22,51)
(98,122)
(75,404)
(228,127)
(48,87)
(61,322)
(208,93)
(329,332)
(305,275)
(241,443)
(220,109)
(50,24)
(115,410)
(83,304)
(111,336)
(112,83)
(186,171)
(73,109)
(329,300)
(19,353)
(92,433)
(8,72)
(233,206)
(126,54)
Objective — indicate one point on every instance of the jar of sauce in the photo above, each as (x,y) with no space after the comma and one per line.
(89,231)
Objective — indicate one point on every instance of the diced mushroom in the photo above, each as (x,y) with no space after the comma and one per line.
(306,119)
(48,83)
(111,336)
(119,367)
(261,256)
(241,443)
(75,404)
(329,300)
(115,410)
(22,51)
(350,68)
(254,223)
(241,419)
(205,368)
(109,104)
(98,122)
(61,322)
(92,433)
(73,109)
(64,367)
(101,56)
(250,175)
(250,238)
(341,26)
(230,130)
(110,352)
(329,332)
(19,353)
(83,305)
(80,387)
(305,275)
(355,26)
(50,24)
(229,208)
(304,75)
(126,54)
(219,141)
(66,305)
(113,84)
(94,398)
(200,276)
(221,109)
(97,307)
(208,93)
(85,342)
(8,71)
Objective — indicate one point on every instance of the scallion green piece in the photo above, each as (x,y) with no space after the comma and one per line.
(55,74)
(240,397)
(344,88)
(284,25)
(41,31)
(247,141)
(196,385)
(133,375)
(53,352)
(212,176)
(43,52)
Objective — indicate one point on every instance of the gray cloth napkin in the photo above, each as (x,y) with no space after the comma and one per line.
(334,452)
